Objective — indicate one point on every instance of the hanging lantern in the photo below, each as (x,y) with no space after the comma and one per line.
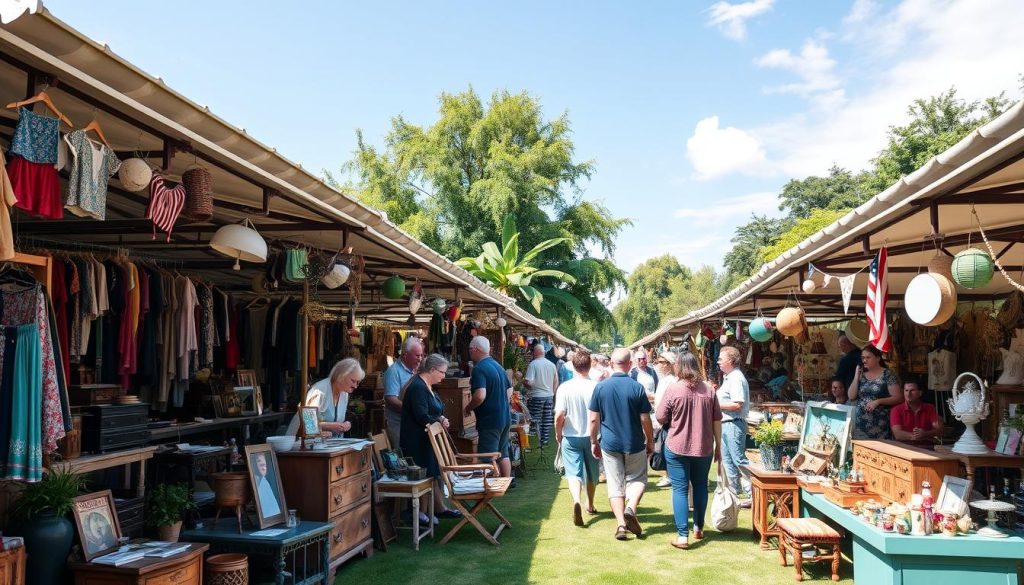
(415,299)
(972,268)
(438,306)
(500,322)
(240,241)
(134,174)
(941,264)
(809,286)
(337,275)
(790,321)
(760,329)
(393,288)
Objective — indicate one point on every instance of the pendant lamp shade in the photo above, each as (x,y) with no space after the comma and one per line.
(240,241)
(972,268)
(394,288)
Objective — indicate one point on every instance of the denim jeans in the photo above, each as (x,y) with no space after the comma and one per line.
(684,470)
(734,444)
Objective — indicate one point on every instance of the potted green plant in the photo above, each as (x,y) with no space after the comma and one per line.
(167,505)
(768,436)
(40,515)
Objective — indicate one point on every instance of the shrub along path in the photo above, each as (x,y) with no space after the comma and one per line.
(543,546)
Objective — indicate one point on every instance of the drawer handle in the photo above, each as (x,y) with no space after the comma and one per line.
(338,536)
(337,499)
(339,468)
(365,488)
(365,522)
(362,460)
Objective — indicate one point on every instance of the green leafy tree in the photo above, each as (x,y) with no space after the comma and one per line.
(698,290)
(650,284)
(451,184)
(744,258)
(800,231)
(513,275)
(840,189)
(936,124)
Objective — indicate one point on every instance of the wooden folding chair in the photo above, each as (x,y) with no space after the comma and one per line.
(493,486)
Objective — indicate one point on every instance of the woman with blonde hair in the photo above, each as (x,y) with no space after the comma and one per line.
(689,410)
(330,396)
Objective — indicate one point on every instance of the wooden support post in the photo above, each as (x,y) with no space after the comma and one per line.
(304,370)
(499,352)
(933,218)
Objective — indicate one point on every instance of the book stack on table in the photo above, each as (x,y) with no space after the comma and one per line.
(149,549)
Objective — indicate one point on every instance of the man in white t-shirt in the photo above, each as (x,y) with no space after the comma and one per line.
(734,399)
(541,382)
(571,432)
(645,374)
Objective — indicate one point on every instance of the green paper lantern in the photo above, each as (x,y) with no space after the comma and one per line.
(972,268)
(438,306)
(394,288)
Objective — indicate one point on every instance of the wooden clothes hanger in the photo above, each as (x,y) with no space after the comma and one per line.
(44,98)
(94,126)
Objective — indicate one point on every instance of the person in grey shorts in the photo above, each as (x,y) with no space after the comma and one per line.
(620,414)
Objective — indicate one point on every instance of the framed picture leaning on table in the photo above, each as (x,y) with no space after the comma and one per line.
(96,521)
(266,484)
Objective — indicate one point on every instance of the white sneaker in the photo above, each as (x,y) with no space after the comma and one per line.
(663,482)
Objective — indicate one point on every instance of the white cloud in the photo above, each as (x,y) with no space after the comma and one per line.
(917,49)
(812,65)
(715,151)
(731,19)
(762,202)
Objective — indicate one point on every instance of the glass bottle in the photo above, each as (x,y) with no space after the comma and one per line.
(926,502)
(235,456)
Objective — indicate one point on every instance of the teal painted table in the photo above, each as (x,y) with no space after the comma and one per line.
(881,558)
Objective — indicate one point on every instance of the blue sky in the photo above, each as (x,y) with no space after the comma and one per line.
(695,112)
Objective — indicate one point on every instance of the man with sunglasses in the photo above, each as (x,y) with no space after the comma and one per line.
(644,374)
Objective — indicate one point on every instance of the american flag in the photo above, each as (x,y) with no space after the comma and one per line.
(877,299)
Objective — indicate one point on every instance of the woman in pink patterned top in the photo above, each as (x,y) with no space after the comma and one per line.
(690,412)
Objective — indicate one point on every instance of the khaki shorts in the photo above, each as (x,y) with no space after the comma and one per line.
(622,470)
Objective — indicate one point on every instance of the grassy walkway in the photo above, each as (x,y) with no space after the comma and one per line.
(543,546)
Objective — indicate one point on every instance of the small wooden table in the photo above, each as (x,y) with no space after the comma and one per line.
(412,490)
(306,546)
(185,568)
(775,495)
(127,457)
(990,459)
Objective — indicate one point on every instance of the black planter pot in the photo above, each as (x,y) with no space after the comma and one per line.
(47,544)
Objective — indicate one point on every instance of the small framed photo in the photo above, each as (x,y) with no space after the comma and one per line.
(310,421)
(953,495)
(266,484)
(96,521)
(247,378)
(257,399)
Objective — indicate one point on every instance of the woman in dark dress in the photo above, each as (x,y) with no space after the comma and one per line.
(422,406)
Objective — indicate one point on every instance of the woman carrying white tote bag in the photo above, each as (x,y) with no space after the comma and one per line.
(725,506)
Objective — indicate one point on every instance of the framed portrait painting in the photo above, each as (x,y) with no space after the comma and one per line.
(266,484)
(96,521)
(953,495)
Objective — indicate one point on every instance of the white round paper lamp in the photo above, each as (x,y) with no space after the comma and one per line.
(134,174)
(240,241)
(809,286)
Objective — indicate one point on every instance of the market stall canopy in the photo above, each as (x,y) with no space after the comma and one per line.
(926,213)
(144,118)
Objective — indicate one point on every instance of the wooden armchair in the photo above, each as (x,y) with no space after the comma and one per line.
(491,486)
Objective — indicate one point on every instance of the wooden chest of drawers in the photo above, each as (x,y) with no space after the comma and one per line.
(108,427)
(182,569)
(332,486)
(455,394)
(895,470)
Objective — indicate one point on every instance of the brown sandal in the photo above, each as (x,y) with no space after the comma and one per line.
(698,534)
(679,545)
(577,515)
(620,533)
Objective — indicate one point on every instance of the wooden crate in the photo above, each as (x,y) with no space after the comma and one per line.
(847,500)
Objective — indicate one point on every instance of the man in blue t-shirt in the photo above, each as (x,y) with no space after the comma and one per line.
(621,413)
(490,401)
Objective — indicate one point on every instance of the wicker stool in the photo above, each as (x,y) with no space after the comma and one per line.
(227,569)
(796,532)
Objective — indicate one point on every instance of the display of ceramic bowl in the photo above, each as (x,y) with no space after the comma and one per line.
(281,442)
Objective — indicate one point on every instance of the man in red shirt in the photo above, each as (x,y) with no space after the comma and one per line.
(915,422)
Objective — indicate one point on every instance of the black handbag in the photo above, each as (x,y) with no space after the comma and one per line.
(657,458)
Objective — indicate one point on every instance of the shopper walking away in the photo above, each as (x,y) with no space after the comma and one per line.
(691,413)
(541,384)
(620,416)
(665,366)
(572,434)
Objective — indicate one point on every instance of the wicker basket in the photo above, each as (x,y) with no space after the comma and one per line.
(231,488)
(198,194)
(227,569)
